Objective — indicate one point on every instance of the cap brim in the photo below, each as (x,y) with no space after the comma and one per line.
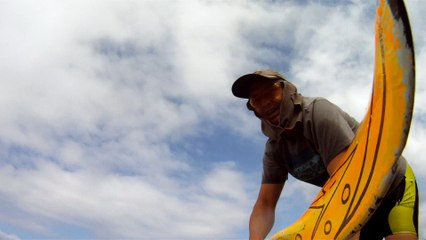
(241,86)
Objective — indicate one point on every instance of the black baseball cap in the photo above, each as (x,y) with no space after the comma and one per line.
(241,86)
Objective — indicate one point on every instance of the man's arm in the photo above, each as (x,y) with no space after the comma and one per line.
(335,163)
(263,215)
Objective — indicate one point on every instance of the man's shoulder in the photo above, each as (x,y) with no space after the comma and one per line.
(320,104)
(315,108)
(308,102)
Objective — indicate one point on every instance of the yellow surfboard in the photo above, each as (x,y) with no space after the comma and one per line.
(354,191)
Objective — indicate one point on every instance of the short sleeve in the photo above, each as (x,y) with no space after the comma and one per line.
(333,129)
(274,170)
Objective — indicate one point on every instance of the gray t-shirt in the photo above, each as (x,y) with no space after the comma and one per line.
(322,130)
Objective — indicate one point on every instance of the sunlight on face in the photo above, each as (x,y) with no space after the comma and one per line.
(265,99)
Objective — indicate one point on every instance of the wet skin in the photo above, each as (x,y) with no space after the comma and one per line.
(265,99)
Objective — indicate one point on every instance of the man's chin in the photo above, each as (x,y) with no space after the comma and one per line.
(273,121)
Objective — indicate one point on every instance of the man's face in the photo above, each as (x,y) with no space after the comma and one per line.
(265,99)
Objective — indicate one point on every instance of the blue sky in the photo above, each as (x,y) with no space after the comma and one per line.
(118,120)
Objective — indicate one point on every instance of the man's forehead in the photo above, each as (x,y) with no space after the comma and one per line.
(264,82)
(262,85)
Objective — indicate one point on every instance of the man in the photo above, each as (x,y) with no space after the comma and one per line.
(307,138)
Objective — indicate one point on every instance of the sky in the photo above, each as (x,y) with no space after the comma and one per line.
(118,122)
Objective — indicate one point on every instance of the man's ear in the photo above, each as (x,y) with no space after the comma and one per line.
(249,106)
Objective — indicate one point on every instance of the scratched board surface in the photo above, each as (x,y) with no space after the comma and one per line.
(353,192)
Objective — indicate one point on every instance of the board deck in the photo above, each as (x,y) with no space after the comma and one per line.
(355,189)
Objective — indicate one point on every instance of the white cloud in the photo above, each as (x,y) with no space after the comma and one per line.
(128,206)
(5,236)
(98,97)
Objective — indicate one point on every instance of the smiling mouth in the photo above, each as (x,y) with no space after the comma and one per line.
(272,113)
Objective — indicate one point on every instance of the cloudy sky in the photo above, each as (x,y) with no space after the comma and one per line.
(117,119)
